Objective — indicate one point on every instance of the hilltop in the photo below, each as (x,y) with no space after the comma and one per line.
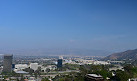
(129,54)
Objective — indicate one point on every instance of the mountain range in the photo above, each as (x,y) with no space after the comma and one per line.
(47,52)
(129,54)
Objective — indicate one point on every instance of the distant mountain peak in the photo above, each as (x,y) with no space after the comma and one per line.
(129,54)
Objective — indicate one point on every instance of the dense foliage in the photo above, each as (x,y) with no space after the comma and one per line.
(103,70)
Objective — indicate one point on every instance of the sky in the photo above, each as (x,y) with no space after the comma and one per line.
(109,25)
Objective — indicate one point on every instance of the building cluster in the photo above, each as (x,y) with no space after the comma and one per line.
(9,66)
(50,64)
(81,61)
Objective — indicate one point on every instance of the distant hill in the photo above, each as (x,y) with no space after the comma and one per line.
(47,52)
(129,54)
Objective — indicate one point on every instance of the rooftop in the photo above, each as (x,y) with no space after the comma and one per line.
(8,55)
(22,72)
(94,75)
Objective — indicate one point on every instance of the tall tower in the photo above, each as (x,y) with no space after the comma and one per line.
(59,65)
(7,64)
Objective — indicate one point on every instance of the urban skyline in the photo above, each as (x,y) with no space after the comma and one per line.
(68,40)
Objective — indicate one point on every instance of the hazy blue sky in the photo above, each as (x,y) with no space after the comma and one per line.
(89,24)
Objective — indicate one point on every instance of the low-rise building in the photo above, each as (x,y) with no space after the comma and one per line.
(101,63)
(34,66)
(19,67)
(94,77)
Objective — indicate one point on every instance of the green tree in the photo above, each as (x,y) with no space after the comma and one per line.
(45,79)
(47,70)
(122,75)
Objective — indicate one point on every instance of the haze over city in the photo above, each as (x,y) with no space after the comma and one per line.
(68,40)
(108,26)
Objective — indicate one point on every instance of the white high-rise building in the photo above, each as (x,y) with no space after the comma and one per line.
(34,66)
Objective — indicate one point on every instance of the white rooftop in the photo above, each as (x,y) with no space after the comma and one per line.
(22,72)
(94,75)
